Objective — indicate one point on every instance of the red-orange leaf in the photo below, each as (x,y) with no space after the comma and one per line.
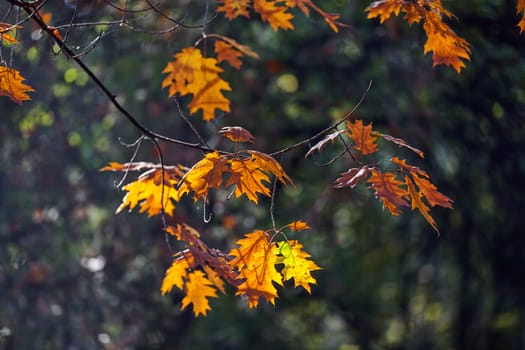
(418,203)
(388,189)
(362,137)
(298,226)
(11,85)
(191,73)
(432,195)
(198,290)
(413,170)
(237,134)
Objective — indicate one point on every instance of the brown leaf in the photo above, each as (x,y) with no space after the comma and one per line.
(237,134)
(351,177)
(400,143)
(362,137)
(321,144)
(388,189)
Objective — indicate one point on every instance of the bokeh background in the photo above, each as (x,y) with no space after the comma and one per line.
(75,276)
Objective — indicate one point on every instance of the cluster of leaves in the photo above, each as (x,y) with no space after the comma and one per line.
(262,259)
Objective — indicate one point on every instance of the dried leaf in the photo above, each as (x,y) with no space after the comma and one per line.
(191,73)
(431,194)
(198,290)
(321,144)
(400,143)
(237,134)
(418,203)
(362,137)
(297,264)
(388,189)
(414,170)
(11,85)
(351,177)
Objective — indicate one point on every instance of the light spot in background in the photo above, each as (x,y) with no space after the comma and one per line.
(288,83)
(93,264)
(104,338)
(395,332)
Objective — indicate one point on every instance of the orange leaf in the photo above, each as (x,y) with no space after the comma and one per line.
(414,170)
(418,203)
(191,73)
(234,8)
(177,272)
(298,226)
(384,9)
(352,177)
(362,137)
(4,29)
(226,52)
(387,189)
(214,278)
(275,15)
(204,175)
(198,290)
(432,195)
(149,192)
(11,85)
(237,134)
(400,143)
(249,173)
(297,264)
(520,8)
(255,260)
(304,6)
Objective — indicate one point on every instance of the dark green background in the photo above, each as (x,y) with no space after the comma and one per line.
(75,276)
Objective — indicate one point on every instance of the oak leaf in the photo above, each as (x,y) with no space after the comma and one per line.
(388,189)
(154,192)
(400,143)
(362,137)
(192,74)
(419,204)
(322,144)
(177,272)
(198,290)
(298,226)
(11,85)
(297,264)
(250,175)
(520,9)
(351,177)
(237,134)
(431,194)
(255,261)
(277,16)
(234,8)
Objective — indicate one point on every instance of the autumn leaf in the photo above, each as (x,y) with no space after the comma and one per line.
(5,28)
(249,175)
(234,8)
(276,16)
(400,143)
(362,137)
(177,272)
(388,189)
(198,290)
(431,194)
(11,85)
(520,9)
(298,226)
(237,134)
(322,144)
(152,193)
(305,5)
(255,260)
(192,74)
(448,48)
(351,177)
(297,264)
(214,278)
(230,51)
(413,170)
(204,175)
(418,203)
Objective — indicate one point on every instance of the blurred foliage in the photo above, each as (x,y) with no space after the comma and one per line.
(74,276)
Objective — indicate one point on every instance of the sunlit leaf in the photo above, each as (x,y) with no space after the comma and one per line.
(351,177)
(237,134)
(198,290)
(11,85)
(5,28)
(297,264)
(362,136)
(321,144)
(400,143)
(177,273)
(388,189)
(298,226)
(419,204)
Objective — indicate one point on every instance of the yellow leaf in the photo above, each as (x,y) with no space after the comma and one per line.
(11,85)
(384,9)
(149,192)
(234,8)
(198,290)
(204,175)
(177,272)
(249,174)
(297,264)
(255,260)
(214,278)
(5,28)
(191,73)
